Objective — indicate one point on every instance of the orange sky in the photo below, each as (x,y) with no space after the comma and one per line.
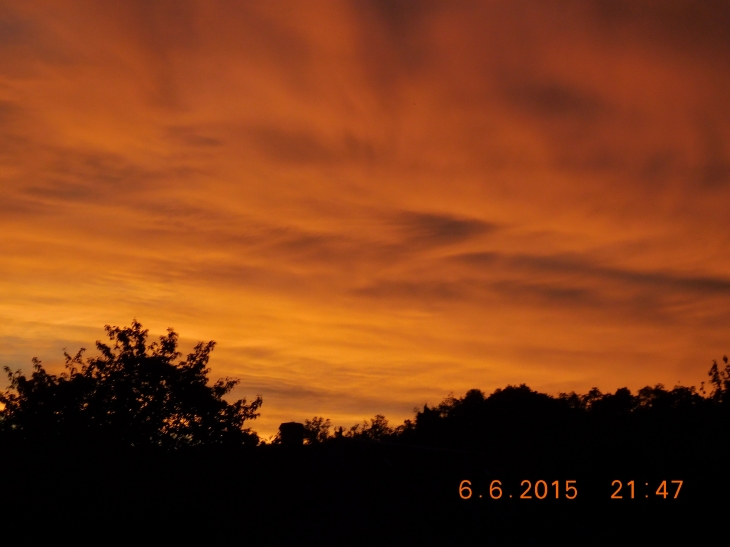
(371,204)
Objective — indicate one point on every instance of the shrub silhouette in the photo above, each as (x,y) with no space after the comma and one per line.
(133,394)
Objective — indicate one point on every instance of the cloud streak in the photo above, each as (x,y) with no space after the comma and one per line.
(369,205)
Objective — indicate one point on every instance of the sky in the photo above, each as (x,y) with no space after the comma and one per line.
(370,204)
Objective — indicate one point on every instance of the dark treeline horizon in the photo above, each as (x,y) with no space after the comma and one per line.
(135,394)
(138,438)
(648,400)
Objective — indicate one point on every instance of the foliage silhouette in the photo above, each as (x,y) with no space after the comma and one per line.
(137,393)
(518,427)
(377,430)
(133,394)
(316,430)
(720,380)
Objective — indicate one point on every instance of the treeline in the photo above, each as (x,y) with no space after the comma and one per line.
(459,421)
(138,438)
(137,393)
(517,426)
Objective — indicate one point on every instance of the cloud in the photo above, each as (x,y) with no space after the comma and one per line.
(295,147)
(192,137)
(683,25)
(552,99)
(423,292)
(372,196)
(434,230)
(304,147)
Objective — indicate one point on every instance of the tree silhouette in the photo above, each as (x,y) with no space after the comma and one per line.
(316,430)
(133,394)
(377,430)
(720,380)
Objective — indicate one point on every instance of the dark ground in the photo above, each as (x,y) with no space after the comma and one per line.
(349,492)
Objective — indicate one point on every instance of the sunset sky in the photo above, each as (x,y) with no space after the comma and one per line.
(370,204)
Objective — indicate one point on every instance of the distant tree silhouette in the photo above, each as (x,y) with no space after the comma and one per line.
(377,430)
(720,380)
(517,425)
(316,430)
(133,394)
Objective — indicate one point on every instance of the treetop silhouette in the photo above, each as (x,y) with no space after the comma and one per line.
(132,394)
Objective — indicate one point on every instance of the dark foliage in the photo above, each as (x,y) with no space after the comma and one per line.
(132,394)
(517,427)
(316,430)
(720,380)
(369,484)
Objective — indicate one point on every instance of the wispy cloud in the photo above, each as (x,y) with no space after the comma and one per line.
(370,203)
